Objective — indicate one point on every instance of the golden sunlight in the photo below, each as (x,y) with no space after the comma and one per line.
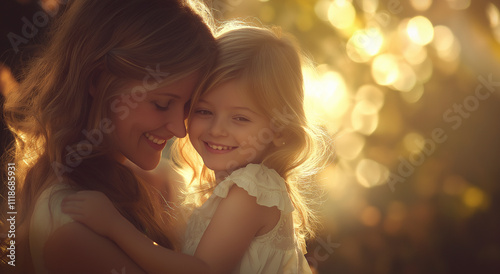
(420,30)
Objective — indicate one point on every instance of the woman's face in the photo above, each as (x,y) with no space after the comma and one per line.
(145,119)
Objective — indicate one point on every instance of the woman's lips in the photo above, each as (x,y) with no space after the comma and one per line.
(158,143)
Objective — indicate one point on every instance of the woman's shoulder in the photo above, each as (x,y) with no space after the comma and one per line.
(62,245)
(261,182)
(46,218)
(48,203)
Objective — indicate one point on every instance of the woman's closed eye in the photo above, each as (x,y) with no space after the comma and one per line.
(162,107)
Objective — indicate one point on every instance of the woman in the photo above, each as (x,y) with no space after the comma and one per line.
(110,87)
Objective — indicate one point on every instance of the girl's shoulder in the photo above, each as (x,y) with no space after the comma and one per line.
(261,182)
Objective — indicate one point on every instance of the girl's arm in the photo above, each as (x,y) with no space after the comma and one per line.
(236,222)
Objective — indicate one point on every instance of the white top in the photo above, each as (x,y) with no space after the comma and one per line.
(46,218)
(274,252)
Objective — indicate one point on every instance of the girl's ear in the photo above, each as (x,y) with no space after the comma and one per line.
(279,139)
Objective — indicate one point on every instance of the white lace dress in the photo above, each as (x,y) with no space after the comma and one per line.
(274,252)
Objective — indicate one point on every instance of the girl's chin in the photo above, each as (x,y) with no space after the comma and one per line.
(227,168)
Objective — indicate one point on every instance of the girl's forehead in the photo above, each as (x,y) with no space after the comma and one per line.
(235,90)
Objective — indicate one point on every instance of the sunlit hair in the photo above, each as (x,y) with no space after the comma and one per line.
(100,45)
(269,62)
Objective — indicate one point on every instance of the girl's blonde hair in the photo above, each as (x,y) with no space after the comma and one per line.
(269,62)
(99,45)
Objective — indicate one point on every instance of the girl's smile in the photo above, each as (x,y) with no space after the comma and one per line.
(219,149)
(222,125)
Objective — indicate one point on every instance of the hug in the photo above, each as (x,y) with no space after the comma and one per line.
(116,81)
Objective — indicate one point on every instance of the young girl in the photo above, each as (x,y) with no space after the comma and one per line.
(109,87)
(249,127)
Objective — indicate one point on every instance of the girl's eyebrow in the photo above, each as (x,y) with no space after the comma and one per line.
(235,107)
(248,109)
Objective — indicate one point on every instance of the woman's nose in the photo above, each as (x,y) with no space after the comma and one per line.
(176,123)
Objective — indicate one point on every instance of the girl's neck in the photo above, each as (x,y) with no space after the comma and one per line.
(221,175)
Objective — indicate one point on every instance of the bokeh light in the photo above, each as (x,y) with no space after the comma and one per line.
(349,144)
(370,173)
(370,216)
(494,18)
(369,6)
(421,5)
(385,69)
(406,78)
(341,14)
(473,197)
(413,142)
(459,4)
(364,44)
(364,117)
(420,30)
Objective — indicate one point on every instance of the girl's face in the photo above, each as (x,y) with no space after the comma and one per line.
(227,129)
(145,120)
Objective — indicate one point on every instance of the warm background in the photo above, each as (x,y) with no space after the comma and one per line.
(410,90)
(402,199)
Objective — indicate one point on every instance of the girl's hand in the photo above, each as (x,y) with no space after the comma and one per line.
(93,209)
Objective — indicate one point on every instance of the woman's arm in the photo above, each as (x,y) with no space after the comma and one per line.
(236,222)
(74,248)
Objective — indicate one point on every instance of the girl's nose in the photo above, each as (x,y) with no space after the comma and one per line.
(218,127)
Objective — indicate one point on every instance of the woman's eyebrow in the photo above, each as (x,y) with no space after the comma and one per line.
(203,101)
(168,94)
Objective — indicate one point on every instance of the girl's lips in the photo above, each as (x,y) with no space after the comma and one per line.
(218,149)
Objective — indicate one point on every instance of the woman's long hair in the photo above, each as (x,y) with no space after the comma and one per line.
(100,45)
(269,63)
